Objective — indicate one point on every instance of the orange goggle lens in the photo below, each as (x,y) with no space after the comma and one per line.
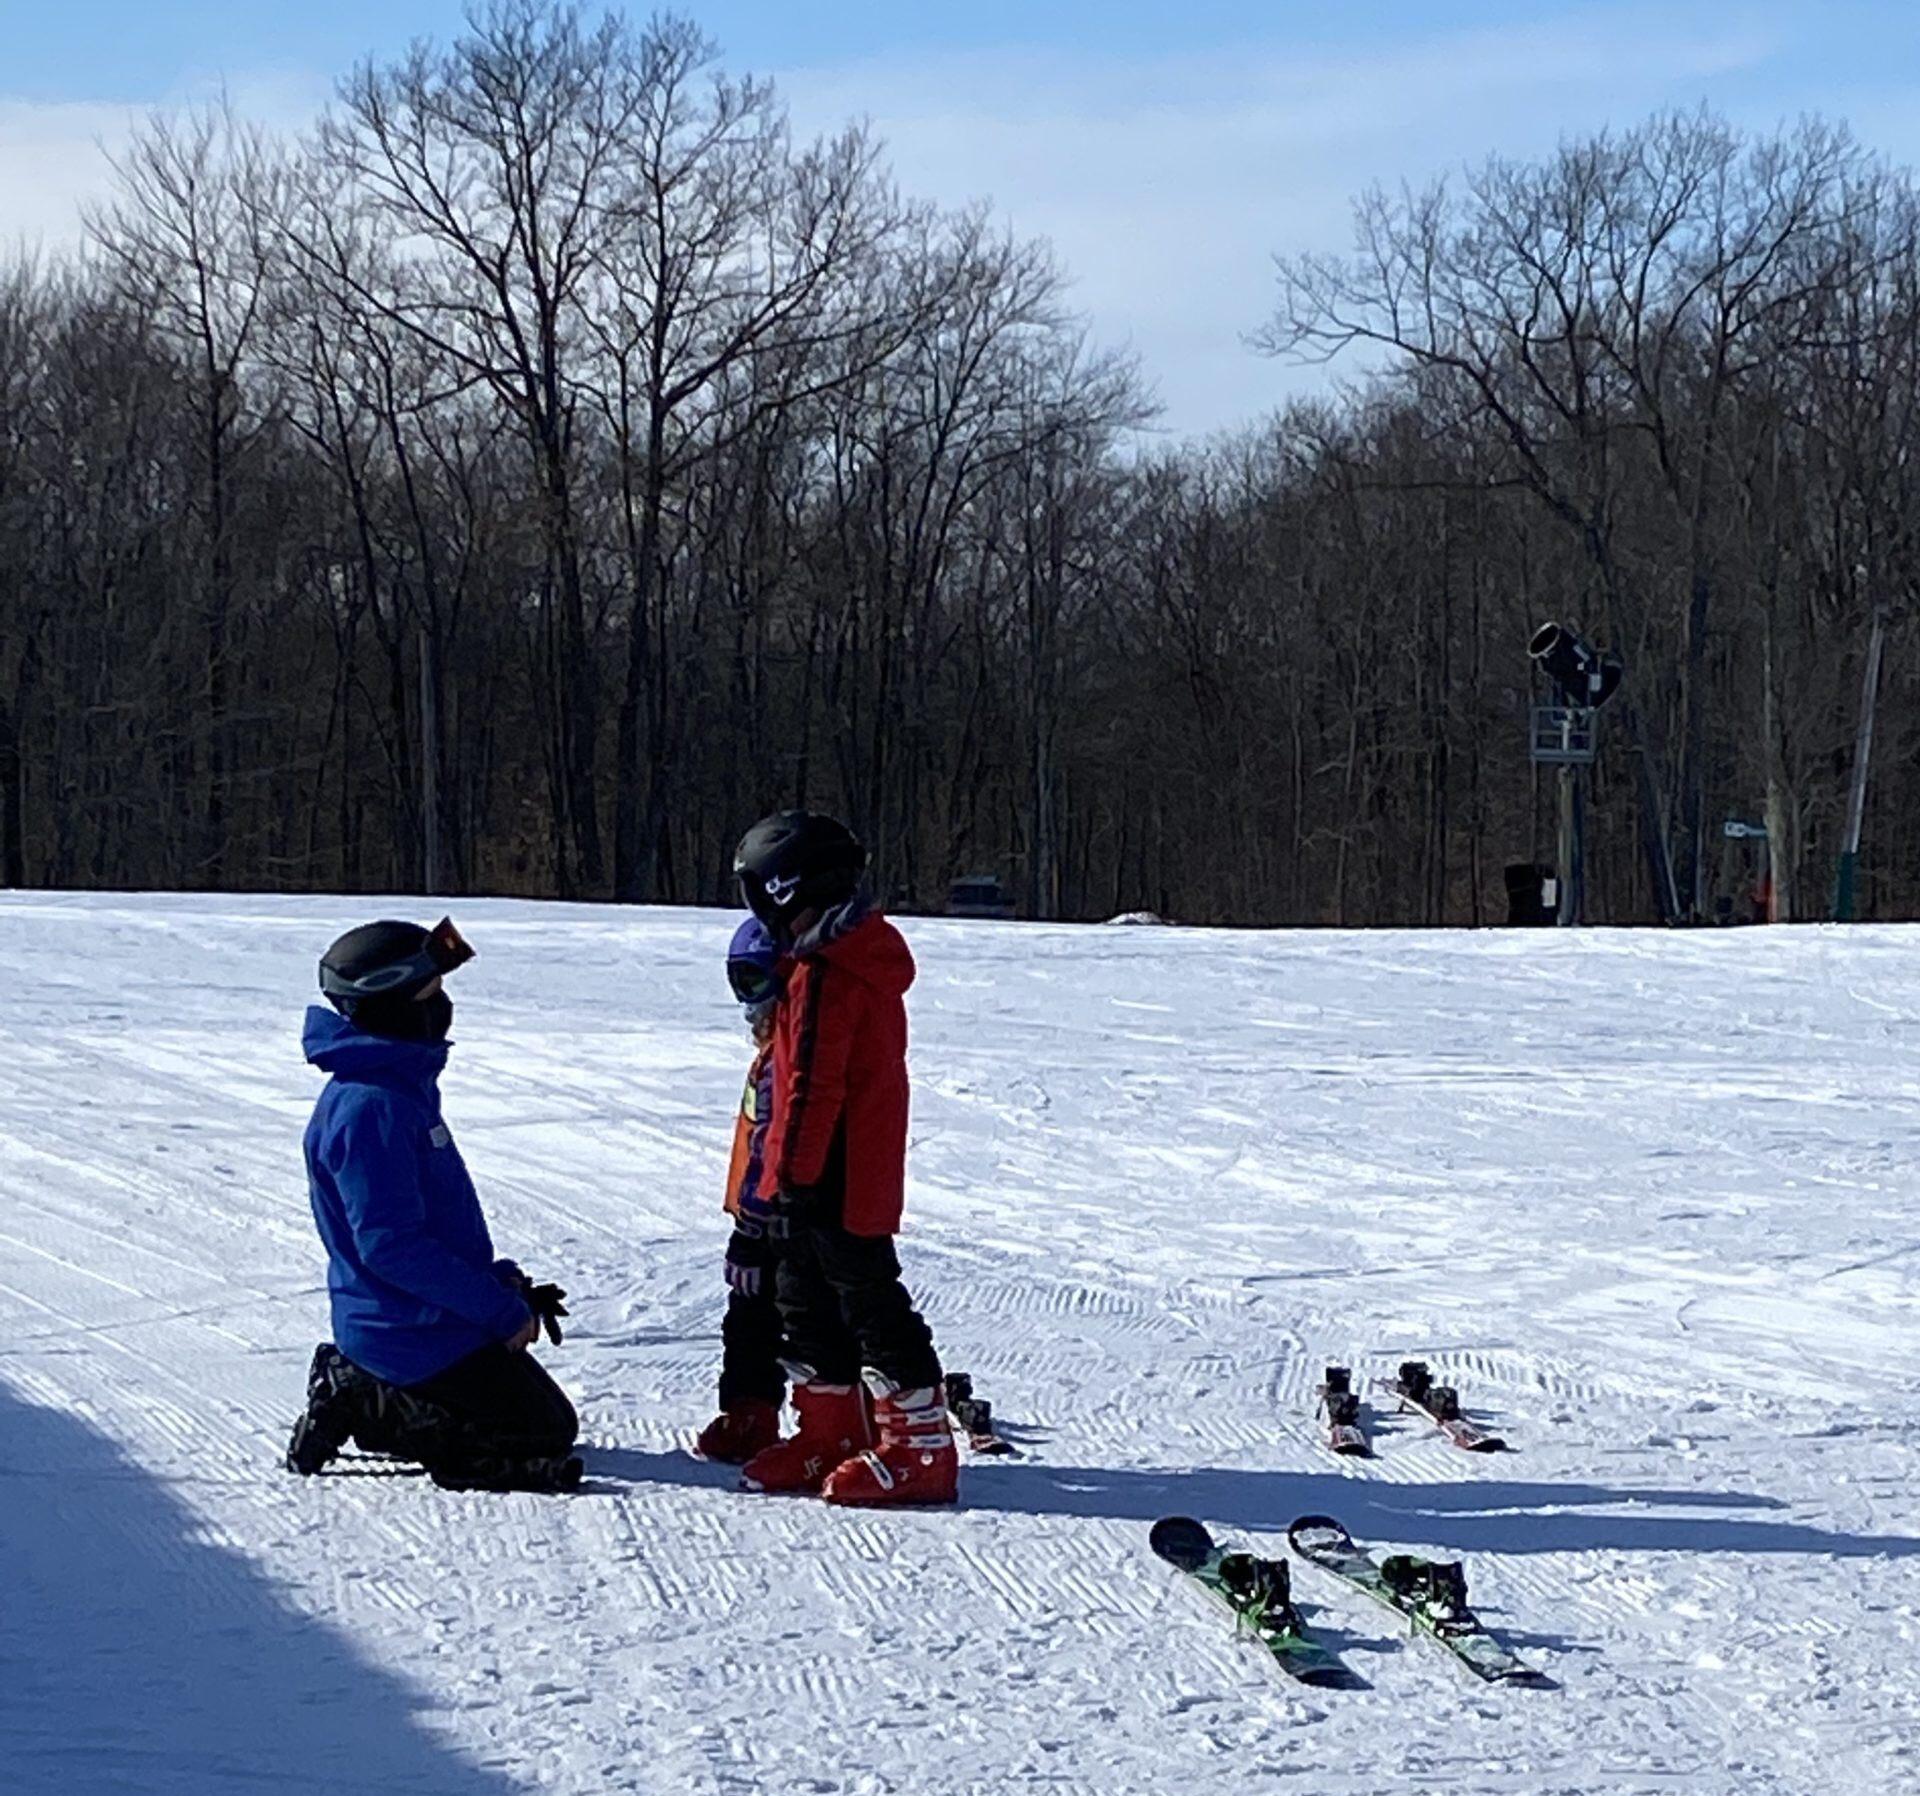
(447,948)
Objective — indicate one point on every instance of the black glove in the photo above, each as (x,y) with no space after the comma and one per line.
(548,1303)
(749,1254)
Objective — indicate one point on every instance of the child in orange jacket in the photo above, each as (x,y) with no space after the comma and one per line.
(753,1382)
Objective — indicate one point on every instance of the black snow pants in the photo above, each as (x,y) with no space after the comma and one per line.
(496,1404)
(752,1344)
(845,1308)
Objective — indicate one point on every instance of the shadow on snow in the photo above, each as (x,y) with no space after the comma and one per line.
(134,1655)
(1480,1515)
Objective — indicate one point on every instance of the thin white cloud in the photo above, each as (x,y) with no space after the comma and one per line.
(50,161)
(1166,183)
(1167,186)
(55,155)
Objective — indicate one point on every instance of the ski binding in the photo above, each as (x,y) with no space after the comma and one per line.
(1340,1406)
(974,1415)
(1440,1404)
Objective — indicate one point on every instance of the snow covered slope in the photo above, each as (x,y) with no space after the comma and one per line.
(1650,1201)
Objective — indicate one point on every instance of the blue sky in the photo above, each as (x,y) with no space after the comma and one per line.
(1166,148)
(143,49)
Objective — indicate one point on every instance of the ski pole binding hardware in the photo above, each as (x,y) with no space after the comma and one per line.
(1437,1587)
(1440,1404)
(1340,1405)
(974,1416)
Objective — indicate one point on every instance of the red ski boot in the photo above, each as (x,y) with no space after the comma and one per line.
(834,1425)
(739,1431)
(915,1462)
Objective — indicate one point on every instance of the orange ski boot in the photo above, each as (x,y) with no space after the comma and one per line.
(740,1431)
(834,1425)
(915,1461)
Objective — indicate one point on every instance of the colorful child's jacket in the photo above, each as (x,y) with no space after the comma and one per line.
(750,1136)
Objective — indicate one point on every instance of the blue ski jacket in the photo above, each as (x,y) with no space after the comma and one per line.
(411,1272)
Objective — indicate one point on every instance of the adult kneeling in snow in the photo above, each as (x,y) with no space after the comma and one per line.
(429,1356)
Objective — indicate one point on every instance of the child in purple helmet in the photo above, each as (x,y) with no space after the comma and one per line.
(753,1382)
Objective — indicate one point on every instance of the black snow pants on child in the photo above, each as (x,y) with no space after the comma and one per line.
(845,1308)
(494,1420)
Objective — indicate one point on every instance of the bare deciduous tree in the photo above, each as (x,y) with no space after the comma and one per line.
(552,444)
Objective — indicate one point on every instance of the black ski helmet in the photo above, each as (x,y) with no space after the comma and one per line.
(373,974)
(797,861)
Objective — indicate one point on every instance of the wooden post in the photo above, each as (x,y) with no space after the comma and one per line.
(1573,847)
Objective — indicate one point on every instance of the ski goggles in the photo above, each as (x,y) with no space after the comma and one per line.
(753,983)
(443,949)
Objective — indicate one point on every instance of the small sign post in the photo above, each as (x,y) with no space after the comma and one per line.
(1737,829)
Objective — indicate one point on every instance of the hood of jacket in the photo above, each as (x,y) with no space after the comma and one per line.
(873,951)
(335,1045)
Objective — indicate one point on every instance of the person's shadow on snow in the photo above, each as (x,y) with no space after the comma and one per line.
(1467,1516)
(1477,1515)
(612,1469)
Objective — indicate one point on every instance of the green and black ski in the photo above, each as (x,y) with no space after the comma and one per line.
(1430,1594)
(1259,1592)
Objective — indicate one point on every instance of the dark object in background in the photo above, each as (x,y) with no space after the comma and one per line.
(1528,906)
(1584,675)
(978,895)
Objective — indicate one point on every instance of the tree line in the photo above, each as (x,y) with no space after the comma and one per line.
(550,463)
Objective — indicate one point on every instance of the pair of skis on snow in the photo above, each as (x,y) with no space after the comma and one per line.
(1414,1386)
(1430,1595)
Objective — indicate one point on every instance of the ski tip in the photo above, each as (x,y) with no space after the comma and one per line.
(1331,1532)
(1181,1541)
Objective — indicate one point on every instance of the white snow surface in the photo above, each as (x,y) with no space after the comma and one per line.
(1649,1200)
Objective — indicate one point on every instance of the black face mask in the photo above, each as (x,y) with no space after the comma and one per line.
(439,1016)
(406,1019)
